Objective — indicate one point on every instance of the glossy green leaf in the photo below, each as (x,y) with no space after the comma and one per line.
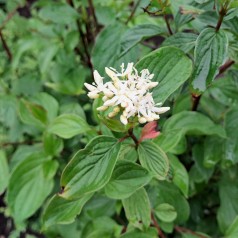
(32,114)
(165,212)
(127,177)
(149,233)
(136,34)
(182,40)
(137,208)
(52,145)
(171,68)
(68,125)
(62,211)
(58,13)
(102,227)
(4,172)
(228,193)
(107,47)
(213,151)
(166,192)
(128,152)
(193,123)
(30,183)
(210,52)
(231,144)
(179,174)
(154,159)
(91,168)
(232,231)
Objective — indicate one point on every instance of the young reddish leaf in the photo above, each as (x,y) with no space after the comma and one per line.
(149,131)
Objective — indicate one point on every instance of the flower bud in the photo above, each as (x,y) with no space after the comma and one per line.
(93,95)
(123,119)
(116,109)
(112,114)
(142,120)
(102,108)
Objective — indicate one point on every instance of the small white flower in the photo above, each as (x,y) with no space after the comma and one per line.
(128,93)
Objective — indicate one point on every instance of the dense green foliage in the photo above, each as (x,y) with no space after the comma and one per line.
(67,170)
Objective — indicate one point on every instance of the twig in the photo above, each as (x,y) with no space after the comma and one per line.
(168,24)
(19,143)
(156,225)
(225,66)
(5,46)
(222,14)
(92,11)
(9,17)
(133,12)
(131,134)
(185,230)
(196,100)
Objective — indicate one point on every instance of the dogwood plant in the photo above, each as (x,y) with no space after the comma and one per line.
(128,93)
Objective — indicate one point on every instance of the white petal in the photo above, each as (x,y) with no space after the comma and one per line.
(161,109)
(90,87)
(97,78)
(110,73)
(111,102)
(108,92)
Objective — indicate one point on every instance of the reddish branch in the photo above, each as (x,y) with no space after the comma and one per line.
(225,66)
(195,100)
(185,230)
(5,46)
(133,137)
(92,11)
(133,11)
(156,225)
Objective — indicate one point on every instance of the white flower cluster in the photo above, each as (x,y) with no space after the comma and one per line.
(128,93)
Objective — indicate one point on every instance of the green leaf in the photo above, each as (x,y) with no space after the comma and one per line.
(232,231)
(137,208)
(228,193)
(107,46)
(193,123)
(150,233)
(136,34)
(32,114)
(165,192)
(4,172)
(128,152)
(62,211)
(30,183)
(68,125)
(179,174)
(52,144)
(210,52)
(231,144)
(58,13)
(198,172)
(102,227)
(91,168)
(182,40)
(171,68)
(165,212)
(213,151)
(154,159)
(127,177)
